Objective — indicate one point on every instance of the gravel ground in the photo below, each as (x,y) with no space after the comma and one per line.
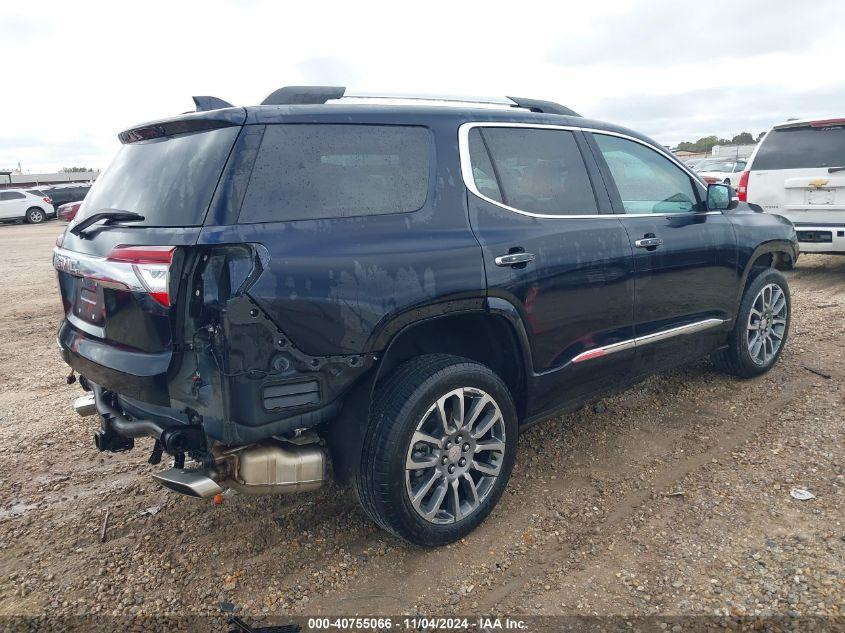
(670,499)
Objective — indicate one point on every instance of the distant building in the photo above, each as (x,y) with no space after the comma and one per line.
(733,151)
(11,179)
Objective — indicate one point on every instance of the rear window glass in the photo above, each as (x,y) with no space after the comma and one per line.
(534,170)
(802,147)
(169,181)
(307,171)
(720,166)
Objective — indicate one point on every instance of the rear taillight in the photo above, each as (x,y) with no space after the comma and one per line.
(47,199)
(151,265)
(742,187)
(68,211)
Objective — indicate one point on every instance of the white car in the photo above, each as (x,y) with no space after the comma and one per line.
(726,171)
(22,204)
(798,171)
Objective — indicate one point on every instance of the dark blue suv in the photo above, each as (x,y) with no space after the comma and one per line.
(388,290)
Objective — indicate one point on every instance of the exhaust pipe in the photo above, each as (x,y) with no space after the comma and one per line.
(194,483)
(85,405)
(268,468)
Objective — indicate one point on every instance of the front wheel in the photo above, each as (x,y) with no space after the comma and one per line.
(35,215)
(761,329)
(439,449)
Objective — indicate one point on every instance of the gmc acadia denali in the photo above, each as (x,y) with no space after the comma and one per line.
(388,290)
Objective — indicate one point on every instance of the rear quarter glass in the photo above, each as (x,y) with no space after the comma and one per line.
(801,148)
(169,181)
(319,171)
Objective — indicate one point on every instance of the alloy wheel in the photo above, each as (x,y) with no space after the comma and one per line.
(455,455)
(767,324)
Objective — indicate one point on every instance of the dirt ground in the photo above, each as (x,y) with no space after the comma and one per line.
(670,499)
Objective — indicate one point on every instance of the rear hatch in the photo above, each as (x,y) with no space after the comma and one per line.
(120,277)
(798,171)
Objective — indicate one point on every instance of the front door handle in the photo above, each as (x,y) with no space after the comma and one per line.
(514,259)
(649,242)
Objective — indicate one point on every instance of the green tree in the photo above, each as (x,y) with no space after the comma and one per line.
(743,138)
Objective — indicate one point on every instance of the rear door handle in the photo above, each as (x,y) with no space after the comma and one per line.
(512,259)
(649,242)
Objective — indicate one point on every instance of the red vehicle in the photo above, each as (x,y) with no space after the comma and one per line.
(68,211)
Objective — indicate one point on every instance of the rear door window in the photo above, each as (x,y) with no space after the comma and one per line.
(316,171)
(11,195)
(534,170)
(647,181)
(802,148)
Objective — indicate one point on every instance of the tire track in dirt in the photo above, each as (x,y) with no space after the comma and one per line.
(500,598)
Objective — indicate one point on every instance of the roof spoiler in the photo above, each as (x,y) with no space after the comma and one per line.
(203,104)
(819,123)
(316,95)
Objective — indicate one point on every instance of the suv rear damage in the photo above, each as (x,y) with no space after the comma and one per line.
(384,291)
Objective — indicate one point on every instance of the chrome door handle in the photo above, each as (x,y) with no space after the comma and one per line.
(648,242)
(512,259)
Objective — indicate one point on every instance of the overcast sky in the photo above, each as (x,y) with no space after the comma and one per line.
(76,73)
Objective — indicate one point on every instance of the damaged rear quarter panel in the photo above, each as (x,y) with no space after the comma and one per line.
(335,286)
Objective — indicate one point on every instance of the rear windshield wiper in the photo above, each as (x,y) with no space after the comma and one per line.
(832,170)
(109,215)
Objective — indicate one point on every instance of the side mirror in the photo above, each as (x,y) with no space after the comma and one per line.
(721,197)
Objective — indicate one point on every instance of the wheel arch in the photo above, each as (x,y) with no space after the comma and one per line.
(494,337)
(767,255)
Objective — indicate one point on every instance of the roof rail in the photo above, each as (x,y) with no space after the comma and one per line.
(301,95)
(539,105)
(210,103)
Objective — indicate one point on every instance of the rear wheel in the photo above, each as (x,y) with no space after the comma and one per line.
(761,329)
(35,215)
(439,449)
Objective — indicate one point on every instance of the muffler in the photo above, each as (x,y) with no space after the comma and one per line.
(275,467)
(267,468)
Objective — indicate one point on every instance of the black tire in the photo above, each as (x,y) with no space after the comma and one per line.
(35,215)
(736,358)
(400,404)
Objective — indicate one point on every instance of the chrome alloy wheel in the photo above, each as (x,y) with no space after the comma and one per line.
(455,456)
(35,216)
(767,324)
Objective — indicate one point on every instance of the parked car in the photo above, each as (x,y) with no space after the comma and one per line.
(20,204)
(262,287)
(798,171)
(62,194)
(68,211)
(726,171)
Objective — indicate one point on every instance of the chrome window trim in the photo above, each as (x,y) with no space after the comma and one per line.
(654,337)
(469,181)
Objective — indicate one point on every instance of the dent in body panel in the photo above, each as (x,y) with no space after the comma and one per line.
(334,284)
